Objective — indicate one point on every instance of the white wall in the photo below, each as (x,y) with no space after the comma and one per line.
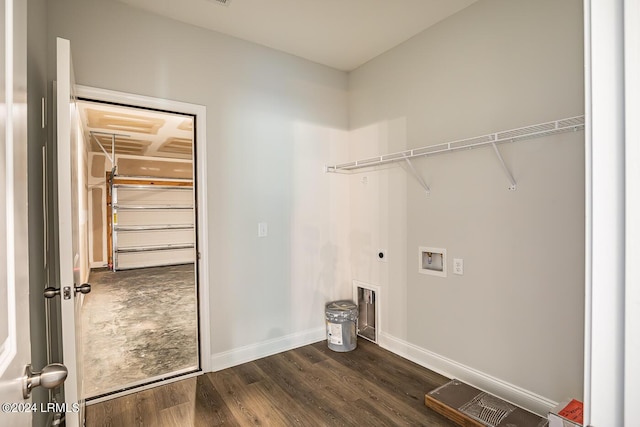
(273,120)
(516,316)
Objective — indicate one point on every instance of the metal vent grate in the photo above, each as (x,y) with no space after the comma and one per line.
(487,409)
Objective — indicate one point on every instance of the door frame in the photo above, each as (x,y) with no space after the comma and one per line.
(632,206)
(199,112)
(15,339)
(612,290)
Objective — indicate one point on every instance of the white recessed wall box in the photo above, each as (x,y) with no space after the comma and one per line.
(432,261)
(367,297)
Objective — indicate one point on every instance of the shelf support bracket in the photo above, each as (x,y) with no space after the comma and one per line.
(506,170)
(417,176)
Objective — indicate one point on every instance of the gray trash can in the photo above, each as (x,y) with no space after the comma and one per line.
(342,317)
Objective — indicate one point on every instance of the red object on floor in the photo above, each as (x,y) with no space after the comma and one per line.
(573,411)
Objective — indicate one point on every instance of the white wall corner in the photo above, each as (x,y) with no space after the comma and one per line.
(249,353)
(452,369)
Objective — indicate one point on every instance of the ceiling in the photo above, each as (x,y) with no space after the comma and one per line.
(137,132)
(341,34)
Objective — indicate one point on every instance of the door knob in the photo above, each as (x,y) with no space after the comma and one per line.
(51,292)
(85,288)
(51,376)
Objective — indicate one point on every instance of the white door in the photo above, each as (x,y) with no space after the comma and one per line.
(70,220)
(15,350)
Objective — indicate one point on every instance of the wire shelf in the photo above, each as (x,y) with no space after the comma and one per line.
(571,124)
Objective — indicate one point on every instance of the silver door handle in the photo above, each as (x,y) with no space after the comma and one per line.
(51,376)
(85,288)
(51,292)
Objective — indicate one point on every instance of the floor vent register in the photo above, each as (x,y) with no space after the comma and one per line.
(469,407)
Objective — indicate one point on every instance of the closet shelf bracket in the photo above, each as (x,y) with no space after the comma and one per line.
(506,170)
(412,170)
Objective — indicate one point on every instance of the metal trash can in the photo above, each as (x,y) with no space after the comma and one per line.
(342,317)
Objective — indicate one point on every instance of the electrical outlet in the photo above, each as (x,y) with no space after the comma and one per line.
(458,266)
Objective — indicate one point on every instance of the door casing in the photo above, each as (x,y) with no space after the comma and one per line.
(199,112)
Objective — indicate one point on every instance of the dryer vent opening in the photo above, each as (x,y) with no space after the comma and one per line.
(367,297)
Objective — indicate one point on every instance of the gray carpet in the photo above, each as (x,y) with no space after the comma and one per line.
(138,324)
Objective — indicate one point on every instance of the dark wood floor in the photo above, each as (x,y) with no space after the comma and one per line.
(308,386)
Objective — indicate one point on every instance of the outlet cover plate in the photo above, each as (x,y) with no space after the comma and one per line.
(458,266)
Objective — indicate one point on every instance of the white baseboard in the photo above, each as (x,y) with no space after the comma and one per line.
(452,369)
(227,359)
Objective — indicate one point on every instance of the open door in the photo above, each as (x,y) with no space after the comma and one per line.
(15,349)
(70,220)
